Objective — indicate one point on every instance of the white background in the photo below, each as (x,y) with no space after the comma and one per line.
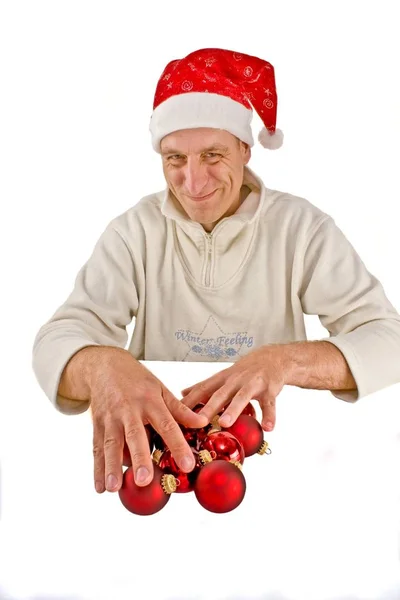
(320,519)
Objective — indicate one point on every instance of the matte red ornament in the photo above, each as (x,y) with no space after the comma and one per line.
(148,499)
(225,445)
(249,433)
(126,460)
(220,486)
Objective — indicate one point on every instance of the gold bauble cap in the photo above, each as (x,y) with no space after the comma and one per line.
(169,483)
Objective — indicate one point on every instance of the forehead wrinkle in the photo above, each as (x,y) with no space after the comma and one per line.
(211,148)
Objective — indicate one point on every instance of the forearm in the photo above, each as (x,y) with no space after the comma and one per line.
(316,365)
(80,370)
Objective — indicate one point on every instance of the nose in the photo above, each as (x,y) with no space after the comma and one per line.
(196,179)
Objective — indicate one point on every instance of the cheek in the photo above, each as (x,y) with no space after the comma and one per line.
(174,177)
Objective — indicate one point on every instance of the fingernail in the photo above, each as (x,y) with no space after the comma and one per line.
(187,463)
(99,487)
(269,425)
(225,420)
(111,482)
(142,474)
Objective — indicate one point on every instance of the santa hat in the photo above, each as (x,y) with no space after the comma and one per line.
(216,88)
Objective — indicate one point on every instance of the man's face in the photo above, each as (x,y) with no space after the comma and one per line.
(203,168)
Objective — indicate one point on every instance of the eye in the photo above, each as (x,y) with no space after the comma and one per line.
(175,157)
(212,155)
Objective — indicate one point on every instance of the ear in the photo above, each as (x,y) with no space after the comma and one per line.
(246,153)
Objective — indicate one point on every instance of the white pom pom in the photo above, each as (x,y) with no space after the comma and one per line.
(271,141)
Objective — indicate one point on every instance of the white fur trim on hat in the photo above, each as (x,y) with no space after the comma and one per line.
(271,141)
(200,109)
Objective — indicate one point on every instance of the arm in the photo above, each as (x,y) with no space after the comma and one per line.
(352,305)
(97,312)
(316,365)
(78,374)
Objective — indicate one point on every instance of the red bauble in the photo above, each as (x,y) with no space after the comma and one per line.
(220,486)
(249,433)
(225,445)
(186,480)
(126,460)
(249,410)
(193,435)
(148,499)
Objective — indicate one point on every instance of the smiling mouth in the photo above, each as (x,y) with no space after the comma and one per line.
(198,198)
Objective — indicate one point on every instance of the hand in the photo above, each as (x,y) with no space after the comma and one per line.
(259,375)
(126,396)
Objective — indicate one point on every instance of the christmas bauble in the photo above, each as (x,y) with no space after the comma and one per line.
(249,410)
(127,461)
(249,433)
(225,445)
(148,499)
(191,435)
(186,480)
(220,486)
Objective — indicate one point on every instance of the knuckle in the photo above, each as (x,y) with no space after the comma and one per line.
(139,457)
(110,442)
(182,409)
(167,425)
(132,432)
(98,451)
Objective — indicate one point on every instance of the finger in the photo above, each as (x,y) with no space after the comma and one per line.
(239,401)
(268,407)
(202,391)
(113,452)
(165,424)
(138,444)
(98,457)
(187,390)
(218,400)
(182,413)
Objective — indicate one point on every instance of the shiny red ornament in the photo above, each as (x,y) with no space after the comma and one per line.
(225,445)
(186,480)
(192,435)
(220,486)
(249,410)
(249,433)
(126,460)
(148,499)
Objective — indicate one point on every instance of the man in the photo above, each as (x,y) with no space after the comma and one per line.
(215,268)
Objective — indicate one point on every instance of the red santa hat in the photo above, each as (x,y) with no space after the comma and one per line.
(216,88)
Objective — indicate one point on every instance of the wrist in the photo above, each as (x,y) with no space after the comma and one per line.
(95,361)
(282,358)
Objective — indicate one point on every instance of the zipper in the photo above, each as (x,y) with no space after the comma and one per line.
(208,257)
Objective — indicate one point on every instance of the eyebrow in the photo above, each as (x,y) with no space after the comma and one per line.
(212,148)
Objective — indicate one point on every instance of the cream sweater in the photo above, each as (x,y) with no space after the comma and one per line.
(216,297)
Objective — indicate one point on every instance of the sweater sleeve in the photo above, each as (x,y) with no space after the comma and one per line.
(102,304)
(351,304)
